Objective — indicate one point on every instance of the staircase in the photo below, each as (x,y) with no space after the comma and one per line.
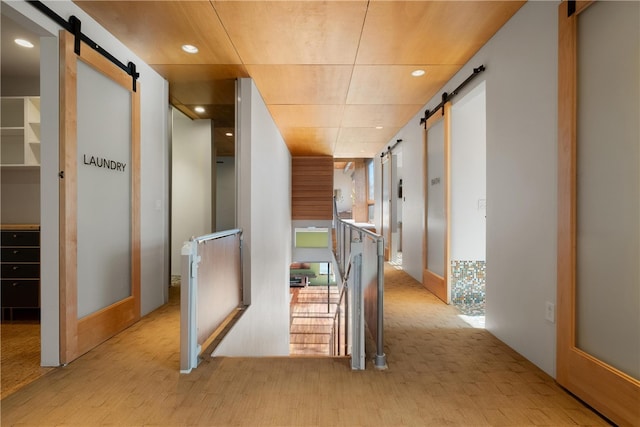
(312,320)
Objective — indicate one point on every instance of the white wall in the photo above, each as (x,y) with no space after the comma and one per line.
(265,218)
(20,86)
(20,194)
(469,176)
(191,183)
(154,168)
(343,182)
(521,92)
(225,193)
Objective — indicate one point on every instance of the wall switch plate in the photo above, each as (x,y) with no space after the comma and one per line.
(550,312)
(482,204)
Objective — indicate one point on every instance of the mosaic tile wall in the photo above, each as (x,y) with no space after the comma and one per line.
(468,286)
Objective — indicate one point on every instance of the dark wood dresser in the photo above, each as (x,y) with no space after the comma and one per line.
(20,261)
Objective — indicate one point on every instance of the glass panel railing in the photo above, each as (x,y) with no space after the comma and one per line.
(211,291)
(360,258)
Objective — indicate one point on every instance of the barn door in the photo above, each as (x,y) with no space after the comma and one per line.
(435,275)
(598,348)
(99,200)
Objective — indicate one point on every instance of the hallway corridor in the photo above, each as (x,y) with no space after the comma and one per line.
(441,372)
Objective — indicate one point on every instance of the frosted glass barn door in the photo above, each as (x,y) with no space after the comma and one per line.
(386,204)
(599,206)
(435,275)
(99,190)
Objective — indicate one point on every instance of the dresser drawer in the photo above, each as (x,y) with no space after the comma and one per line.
(20,254)
(20,271)
(20,293)
(20,238)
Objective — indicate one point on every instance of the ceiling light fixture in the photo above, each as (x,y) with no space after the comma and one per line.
(24,43)
(228,134)
(189,48)
(199,109)
(378,127)
(417,73)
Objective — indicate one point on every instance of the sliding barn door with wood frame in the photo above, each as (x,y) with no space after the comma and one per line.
(437,137)
(598,329)
(99,200)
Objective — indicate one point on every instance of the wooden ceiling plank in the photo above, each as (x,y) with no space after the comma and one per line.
(394,84)
(329,71)
(430,32)
(302,84)
(379,115)
(294,32)
(322,116)
(157,30)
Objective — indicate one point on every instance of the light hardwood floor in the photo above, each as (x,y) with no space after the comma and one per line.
(312,320)
(20,355)
(441,372)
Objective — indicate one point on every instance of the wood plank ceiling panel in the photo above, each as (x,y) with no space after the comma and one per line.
(430,32)
(157,30)
(294,32)
(192,73)
(205,92)
(365,135)
(362,142)
(394,84)
(329,71)
(208,86)
(302,84)
(324,116)
(310,141)
(224,145)
(379,115)
(360,150)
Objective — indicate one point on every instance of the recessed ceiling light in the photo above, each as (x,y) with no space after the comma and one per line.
(417,73)
(189,48)
(23,43)
(228,134)
(378,127)
(199,109)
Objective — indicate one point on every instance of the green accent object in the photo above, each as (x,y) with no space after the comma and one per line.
(312,239)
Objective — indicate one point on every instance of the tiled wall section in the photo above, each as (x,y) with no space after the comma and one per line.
(468,286)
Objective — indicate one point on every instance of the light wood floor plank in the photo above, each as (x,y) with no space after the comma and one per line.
(441,372)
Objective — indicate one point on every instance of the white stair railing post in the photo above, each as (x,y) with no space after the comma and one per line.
(381,358)
(358,326)
(189,348)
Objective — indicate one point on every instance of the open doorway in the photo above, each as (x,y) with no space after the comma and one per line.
(203,167)
(21,204)
(392,201)
(468,205)
(455,204)
(314,305)
(351,190)
(396,207)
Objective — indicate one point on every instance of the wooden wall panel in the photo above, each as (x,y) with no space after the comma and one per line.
(360,206)
(312,188)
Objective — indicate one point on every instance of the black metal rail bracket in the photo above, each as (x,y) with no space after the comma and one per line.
(446,97)
(74,26)
(571,7)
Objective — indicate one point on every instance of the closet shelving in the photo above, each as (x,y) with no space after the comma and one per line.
(20,132)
